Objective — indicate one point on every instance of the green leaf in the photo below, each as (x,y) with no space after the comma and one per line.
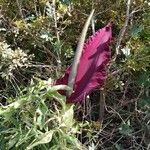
(144,78)
(118,147)
(67,117)
(125,129)
(136,30)
(92,146)
(12,142)
(144,101)
(42,110)
(58,87)
(43,139)
(126,51)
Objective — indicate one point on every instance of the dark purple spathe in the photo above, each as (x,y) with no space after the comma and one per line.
(91,72)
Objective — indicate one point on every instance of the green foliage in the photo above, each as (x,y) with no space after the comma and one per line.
(12,60)
(125,129)
(38,40)
(38,117)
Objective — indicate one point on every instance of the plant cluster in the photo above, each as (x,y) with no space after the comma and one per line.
(12,60)
(38,39)
(35,120)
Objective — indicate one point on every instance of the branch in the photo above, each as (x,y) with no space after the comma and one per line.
(137,9)
(55,21)
(102,104)
(19,4)
(122,32)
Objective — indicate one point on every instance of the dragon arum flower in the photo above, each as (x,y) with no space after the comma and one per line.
(91,72)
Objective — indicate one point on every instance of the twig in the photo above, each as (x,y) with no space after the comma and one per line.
(102,103)
(35,7)
(122,32)
(20,9)
(21,14)
(57,33)
(137,9)
(116,72)
(115,112)
(55,21)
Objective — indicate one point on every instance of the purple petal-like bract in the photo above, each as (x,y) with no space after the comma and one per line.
(91,72)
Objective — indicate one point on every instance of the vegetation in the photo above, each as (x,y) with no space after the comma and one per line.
(38,39)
